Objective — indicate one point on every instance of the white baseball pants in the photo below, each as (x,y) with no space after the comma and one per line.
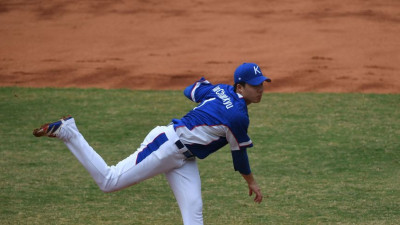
(157,154)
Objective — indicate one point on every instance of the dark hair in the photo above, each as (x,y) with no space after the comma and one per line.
(236,84)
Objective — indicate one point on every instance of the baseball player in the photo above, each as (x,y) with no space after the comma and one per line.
(220,118)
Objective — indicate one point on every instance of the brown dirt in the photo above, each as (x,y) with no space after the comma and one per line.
(304,46)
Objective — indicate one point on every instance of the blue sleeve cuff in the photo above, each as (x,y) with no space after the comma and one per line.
(241,161)
(187,92)
(191,92)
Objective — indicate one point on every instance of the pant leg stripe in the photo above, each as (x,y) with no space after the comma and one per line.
(151,147)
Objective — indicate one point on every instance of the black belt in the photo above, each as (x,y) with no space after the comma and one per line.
(186,153)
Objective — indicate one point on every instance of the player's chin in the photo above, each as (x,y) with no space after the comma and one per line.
(257,100)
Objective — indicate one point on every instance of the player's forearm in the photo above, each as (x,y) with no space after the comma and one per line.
(249,178)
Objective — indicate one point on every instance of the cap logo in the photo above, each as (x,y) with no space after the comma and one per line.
(256,70)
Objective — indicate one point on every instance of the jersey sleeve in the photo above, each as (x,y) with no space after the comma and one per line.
(198,91)
(241,162)
(239,140)
(237,135)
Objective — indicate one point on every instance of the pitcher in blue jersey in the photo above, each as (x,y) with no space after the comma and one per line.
(220,118)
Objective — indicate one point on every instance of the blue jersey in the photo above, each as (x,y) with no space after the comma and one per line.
(220,118)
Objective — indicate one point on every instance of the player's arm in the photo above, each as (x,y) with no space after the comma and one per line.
(240,141)
(197,91)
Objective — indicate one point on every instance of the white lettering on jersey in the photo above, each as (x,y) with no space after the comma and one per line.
(225,99)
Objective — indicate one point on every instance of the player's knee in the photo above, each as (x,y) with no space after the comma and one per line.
(106,189)
(108,183)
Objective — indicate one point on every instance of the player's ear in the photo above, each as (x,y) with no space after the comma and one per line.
(240,87)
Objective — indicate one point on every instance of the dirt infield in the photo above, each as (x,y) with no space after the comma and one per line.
(304,46)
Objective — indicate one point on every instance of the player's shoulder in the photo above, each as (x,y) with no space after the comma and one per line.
(209,90)
(223,89)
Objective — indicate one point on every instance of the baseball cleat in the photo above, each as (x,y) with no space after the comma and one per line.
(50,129)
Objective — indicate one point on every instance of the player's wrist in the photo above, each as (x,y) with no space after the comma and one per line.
(249,178)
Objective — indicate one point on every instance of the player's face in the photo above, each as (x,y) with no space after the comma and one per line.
(252,93)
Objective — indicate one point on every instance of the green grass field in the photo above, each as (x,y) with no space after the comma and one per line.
(321,159)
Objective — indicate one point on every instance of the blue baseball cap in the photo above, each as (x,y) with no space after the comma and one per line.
(249,73)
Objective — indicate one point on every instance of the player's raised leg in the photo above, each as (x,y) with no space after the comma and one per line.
(157,158)
(186,184)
